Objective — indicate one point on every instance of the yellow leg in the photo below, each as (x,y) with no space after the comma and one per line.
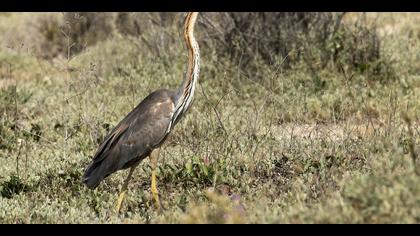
(124,190)
(153,162)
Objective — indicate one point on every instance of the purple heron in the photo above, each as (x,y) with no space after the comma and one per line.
(141,133)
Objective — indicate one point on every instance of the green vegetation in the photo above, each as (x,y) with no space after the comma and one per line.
(318,131)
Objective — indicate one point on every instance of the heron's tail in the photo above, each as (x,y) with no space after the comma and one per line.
(93,175)
(100,166)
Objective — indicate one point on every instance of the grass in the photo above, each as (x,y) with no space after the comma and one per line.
(284,149)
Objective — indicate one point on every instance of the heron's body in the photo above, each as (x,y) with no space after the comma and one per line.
(134,138)
(146,127)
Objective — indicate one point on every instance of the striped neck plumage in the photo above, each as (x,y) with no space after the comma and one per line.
(187,88)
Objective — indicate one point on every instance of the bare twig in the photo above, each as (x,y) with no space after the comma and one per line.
(19,141)
(214,108)
(411,145)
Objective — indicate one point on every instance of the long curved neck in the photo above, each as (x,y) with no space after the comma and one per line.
(185,92)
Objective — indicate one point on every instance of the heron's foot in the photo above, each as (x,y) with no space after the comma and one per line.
(120,201)
(157,200)
(155,192)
